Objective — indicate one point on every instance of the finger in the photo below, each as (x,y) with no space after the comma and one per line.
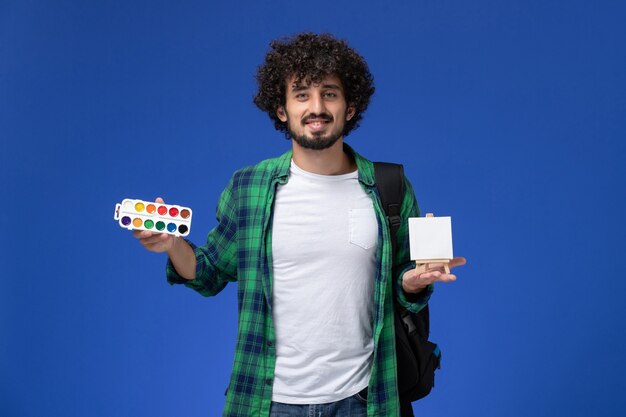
(142,234)
(159,200)
(430,275)
(156,247)
(410,274)
(446,278)
(421,268)
(414,273)
(155,238)
(159,245)
(457,262)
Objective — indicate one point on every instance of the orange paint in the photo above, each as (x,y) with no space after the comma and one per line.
(150,208)
(137,222)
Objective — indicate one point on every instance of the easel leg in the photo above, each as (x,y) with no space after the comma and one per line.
(427,263)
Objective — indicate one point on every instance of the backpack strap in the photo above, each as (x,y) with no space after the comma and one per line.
(390,184)
(417,358)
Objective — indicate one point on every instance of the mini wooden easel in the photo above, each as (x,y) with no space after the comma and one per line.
(426,262)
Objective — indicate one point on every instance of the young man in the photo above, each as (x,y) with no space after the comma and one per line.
(305,237)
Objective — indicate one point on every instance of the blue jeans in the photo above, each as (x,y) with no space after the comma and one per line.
(354,406)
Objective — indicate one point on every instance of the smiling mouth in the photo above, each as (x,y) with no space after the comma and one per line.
(317,123)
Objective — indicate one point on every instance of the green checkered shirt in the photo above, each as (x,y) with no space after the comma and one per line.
(239,249)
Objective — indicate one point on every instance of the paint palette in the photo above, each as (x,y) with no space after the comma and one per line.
(156,217)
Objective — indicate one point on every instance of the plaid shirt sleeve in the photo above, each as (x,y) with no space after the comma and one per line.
(216,262)
(402,261)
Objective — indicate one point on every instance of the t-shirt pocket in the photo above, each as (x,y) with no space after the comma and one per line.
(363,227)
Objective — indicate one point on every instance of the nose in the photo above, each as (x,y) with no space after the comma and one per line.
(316,104)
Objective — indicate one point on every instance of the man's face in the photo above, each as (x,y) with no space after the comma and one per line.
(315,113)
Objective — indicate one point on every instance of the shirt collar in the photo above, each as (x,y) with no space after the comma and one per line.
(364,166)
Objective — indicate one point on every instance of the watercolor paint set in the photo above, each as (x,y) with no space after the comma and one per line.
(157,217)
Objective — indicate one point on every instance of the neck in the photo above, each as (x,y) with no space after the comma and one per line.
(330,161)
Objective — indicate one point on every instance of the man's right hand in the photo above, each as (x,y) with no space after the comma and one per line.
(155,241)
(179,251)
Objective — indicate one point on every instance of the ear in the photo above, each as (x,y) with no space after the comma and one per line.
(280,112)
(350,112)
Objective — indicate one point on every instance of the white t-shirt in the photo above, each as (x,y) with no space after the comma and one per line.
(324,242)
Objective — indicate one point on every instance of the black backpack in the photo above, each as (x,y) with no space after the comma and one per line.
(417,357)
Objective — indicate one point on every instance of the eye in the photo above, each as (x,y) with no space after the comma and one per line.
(330,94)
(301,96)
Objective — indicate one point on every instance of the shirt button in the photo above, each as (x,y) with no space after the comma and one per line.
(270,343)
(268,381)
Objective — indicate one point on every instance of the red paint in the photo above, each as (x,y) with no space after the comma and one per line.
(173,212)
(162,210)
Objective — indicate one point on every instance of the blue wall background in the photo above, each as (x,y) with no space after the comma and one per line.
(509,116)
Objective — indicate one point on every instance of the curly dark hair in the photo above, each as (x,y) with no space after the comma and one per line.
(310,58)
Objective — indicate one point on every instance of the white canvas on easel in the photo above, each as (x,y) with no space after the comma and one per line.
(430,238)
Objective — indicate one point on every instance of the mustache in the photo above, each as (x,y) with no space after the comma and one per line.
(323,116)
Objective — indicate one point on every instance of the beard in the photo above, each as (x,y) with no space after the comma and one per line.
(318,141)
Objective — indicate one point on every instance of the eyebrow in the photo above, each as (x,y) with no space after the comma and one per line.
(298,87)
(301,87)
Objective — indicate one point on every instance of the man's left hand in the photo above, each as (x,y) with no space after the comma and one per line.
(415,280)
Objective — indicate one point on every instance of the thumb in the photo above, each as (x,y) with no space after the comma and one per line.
(415,272)
(159,200)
